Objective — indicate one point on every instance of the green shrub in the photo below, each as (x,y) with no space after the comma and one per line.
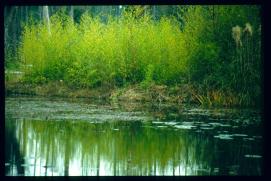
(93,52)
(135,48)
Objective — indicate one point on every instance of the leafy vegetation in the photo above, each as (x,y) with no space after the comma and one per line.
(215,49)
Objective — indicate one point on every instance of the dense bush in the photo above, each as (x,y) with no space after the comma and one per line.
(92,52)
(137,48)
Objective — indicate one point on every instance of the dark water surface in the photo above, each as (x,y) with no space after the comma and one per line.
(58,137)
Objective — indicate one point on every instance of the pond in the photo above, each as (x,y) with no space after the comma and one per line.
(57,137)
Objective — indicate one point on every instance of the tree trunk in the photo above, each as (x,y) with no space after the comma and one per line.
(213,16)
(7,23)
(154,12)
(10,16)
(14,30)
(67,157)
(6,27)
(40,13)
(71,12)
(46,18)
(26,14)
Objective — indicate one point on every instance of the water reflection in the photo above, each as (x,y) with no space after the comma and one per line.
(121,148)
(14,162)
(55,147)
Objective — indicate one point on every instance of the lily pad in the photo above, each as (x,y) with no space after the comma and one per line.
(187,123)
(184,126)
(216,170)
(203,170)
(224,136)
(215,124)
(240,135)
(157,122)
(171,123)
(161,126)
(257,137)
(206,128)
(205,125)
(249,139)
(253,156)
(225,125)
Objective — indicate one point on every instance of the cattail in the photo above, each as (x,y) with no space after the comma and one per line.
(236,35)
(248,29)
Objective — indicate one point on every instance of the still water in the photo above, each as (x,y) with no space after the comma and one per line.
(56,137)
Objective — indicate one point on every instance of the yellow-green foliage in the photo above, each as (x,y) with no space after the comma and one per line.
(93,52)
(135,48)
(210,47)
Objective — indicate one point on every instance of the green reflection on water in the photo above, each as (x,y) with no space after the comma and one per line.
(109,148)
(114,143)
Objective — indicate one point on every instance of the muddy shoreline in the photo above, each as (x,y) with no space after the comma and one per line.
(155,93)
